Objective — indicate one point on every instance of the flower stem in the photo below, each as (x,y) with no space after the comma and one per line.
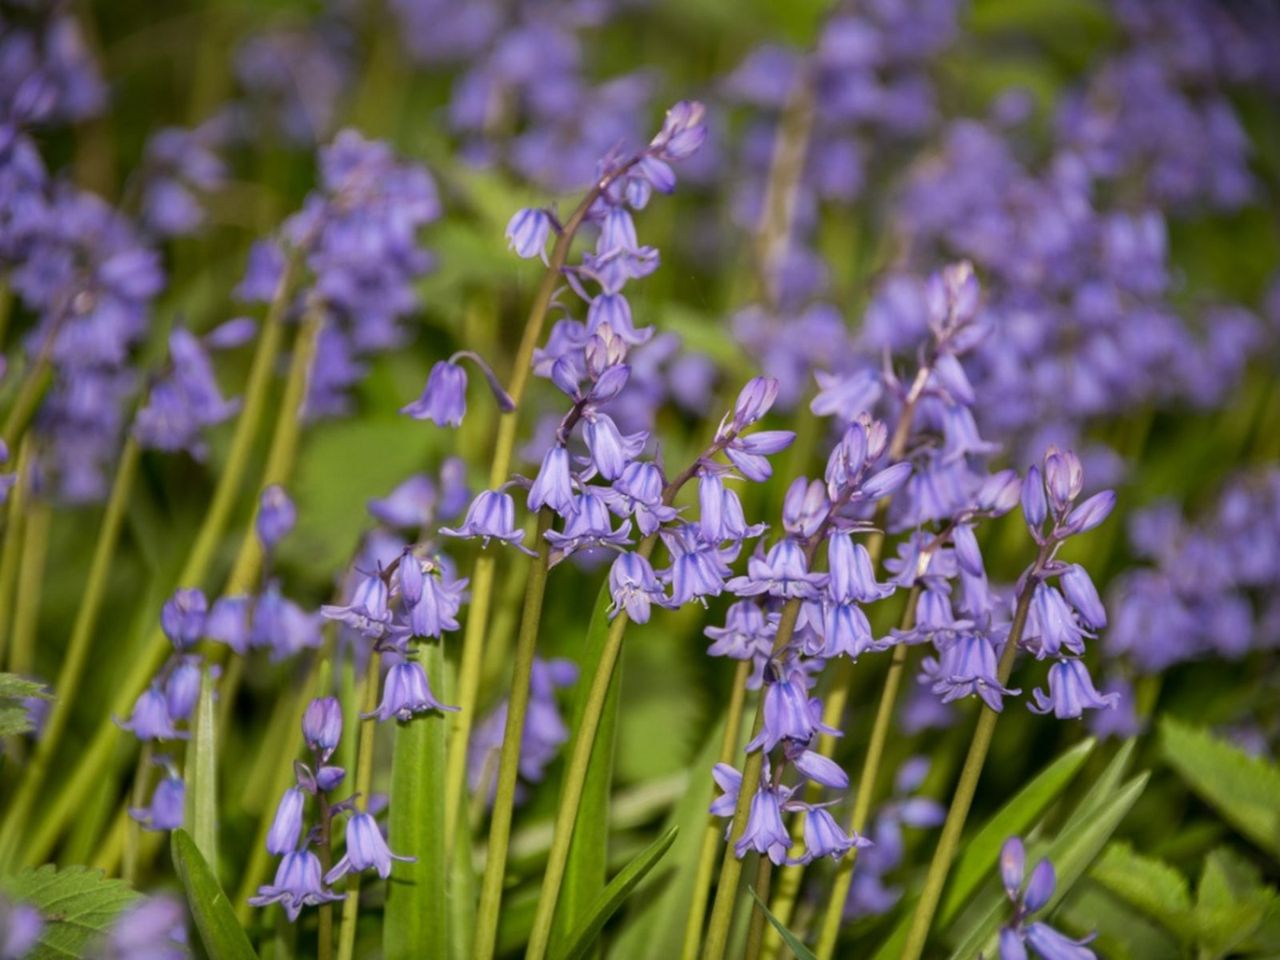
(755,933)
(98,755)
(471,659)
(967,786)
(363,784)
(509,764)
(11,553)
(711,836)
(731,866)
(31,390)
(324,933)
(867,783)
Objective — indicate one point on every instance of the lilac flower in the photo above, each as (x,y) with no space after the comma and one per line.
(183,617)
(168,805)
(297,884)
(765,832)
(444,398)
(492,515)
(286,826)
(1071,692)
(366,849)
(322,726)
(634,587)
(276,516)
(405,692)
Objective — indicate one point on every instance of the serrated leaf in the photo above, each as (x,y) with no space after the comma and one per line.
(657,912)
(612,897)
(1148,884)
(793,942)
(1243,789)
(1071,853)
(79,906)
(416,921)
(584,872)
(215,921)
(14,687)
(1231,902)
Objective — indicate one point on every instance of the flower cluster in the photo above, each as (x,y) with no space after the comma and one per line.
(1046,942)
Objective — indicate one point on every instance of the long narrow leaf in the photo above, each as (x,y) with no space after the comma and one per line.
(202,775)
(613,896)
(793,942)
(416,922)
(220,932)
(589,850)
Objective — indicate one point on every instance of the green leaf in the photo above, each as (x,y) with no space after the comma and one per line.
(1243,789)
(220,932)
(979,855)
(584,872)
(982,852)
(612,897)
(1071,853)
(202,774)
(79,906)
(416,921)
(1231,902)
(1150,885)
(1103,788)
(657,912)
(14,718)
(790,939)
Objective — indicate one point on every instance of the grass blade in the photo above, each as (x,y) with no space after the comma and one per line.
(220,932)
(790,939)
(202,775)
(416,920)
(613,896)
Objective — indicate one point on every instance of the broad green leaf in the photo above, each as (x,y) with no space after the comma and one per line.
(202,775)
(1071,853)
(982,852)
(790,939)
(220,931)
(1243,789)
(612,897)
(657,912)
(416,922)
(584,873)
(1231,902)
(1148,884)
(978,857)
(79,906)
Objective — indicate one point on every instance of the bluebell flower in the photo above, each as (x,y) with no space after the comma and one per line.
(20,928)
(967,666)
(684,130)
(1071,692)
(527,232)
(605,441)
(847,396)
(406,692)
(823,837)
(852,575)
(368,611)
(281,626)
(638,493)
(1052,625)
(589,524)
(729,780)
(286,826)
(845,630)
(782,572)
(1044,940)
(764,831)
(553,486)
(150,719)
(749,454)
(697,568)
(183,617)
(182,688)
(322,726)
(152,928)
(431,601)
(747,633)
(444,398)
(634,587)
(491,515)
(228,622)
(366,849)
(754,400)
(411,505)
(788,714)
(805,507)
(167,809)
(821,770)
(1091,513)
(276,516)
(297,884)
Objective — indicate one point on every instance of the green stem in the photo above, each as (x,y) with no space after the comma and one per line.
(475,633)
(98,755)
(30,392)
(11,554)
(324,931)
(755,933)
(867,783)
(967,786)
(137,798)
(509,765)
(76,655)
(714,831)
(731,866)
(363,784)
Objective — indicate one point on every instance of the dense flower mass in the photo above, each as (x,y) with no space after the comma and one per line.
(437,484)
